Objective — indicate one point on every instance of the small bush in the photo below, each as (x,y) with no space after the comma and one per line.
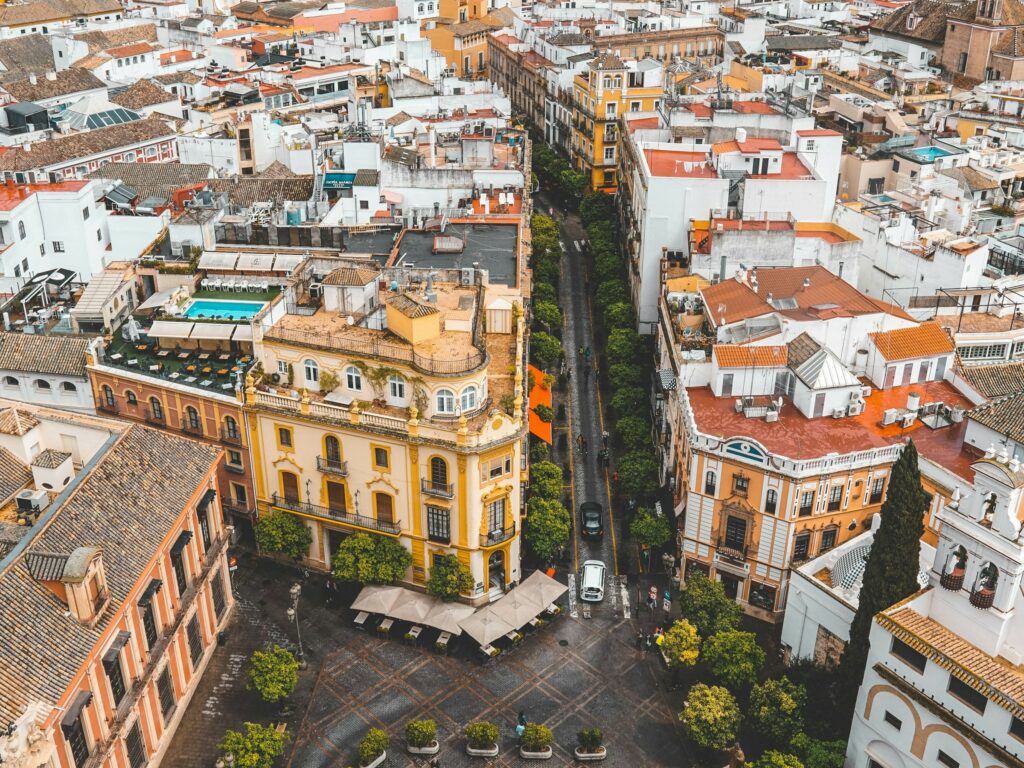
(538,452)
(544,413)
(482,735)
(536,737)
(590,739)
(372,746)
(420,733)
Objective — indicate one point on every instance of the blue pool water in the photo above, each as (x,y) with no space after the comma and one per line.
(223,309)
(929,154)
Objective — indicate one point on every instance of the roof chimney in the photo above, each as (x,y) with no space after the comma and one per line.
(32,78)
(51,75)
(807,283)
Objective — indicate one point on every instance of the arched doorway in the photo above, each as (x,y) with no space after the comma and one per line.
(496,571)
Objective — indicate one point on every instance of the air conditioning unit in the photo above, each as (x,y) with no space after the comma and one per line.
(855,409)
(889,416)
(30,503)
(838,413)
(908,419)
(466,275)
(316,290)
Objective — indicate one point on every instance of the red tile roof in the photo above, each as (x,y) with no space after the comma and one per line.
(818,132)
(12,197)
(924,340)
(669,162)
(754,107)
(736,356)
(748,147)
(134,49)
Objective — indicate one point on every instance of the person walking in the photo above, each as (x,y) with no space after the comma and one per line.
(604,438)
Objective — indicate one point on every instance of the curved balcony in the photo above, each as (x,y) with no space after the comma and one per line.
(331,466)
(983,598)
(493,538)
(952,581)
(432,488)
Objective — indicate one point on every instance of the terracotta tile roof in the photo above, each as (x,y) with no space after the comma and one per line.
(132,49)
(173,78)
(50,459)
(154,179)
(737,356)
(19,14)
(51,353)
(101,40)
(144,469)
(143,93)
(995,380)
(64,83)
(67,149)
(14,421)
(14,475)
(924,340)
(410,306)
(1005,415)
(352,276)
(607,61)
(24,55)
(245,191)
(970,180)
(993,677)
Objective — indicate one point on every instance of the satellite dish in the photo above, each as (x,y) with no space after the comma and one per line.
(350,320)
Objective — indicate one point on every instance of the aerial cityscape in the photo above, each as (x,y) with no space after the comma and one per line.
(468,383)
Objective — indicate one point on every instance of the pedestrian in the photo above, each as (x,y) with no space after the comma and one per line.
(586,353)
(435,762)
(568,372)
(615,476)
(522,718)
(604,438)
(640,639)
(581,352)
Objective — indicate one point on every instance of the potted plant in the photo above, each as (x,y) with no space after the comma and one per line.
(421,737)
(482,739)
(535,743)
(372,749)
(590,745)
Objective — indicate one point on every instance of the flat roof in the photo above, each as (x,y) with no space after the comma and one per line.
(671,162)
(493,246)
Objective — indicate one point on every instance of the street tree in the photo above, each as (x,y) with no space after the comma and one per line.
(891,571)
(545,349)
(548,314)
(638,474)
(649,529)
(776,709)
(622,375)
(680,644)
(610,292)
(628,400)
(546,530)
(774,759)
(623,345)
(273,673)
(449,578)
(545,292)
(258,747)
(816,753)
(619,315)
(546,480)
(371,559)
(734,657)
(705,603)
(607,266)
(634,431)
(710,716)
(283,533)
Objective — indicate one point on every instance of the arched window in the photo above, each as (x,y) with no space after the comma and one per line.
(312,371)
(396,387)
(108,396)
(230,427)
(42,384)
(954,570)
(353,378)
(710,481)
(439,474)
(419,8)
(10,381)
(445,401)
(69,387)
(130,398)
(156,408)
(468,398)
(771,501)
(192,418)
(984,592)
(21,230)
(332,450)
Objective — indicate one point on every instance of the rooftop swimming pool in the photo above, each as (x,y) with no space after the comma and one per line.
(222,309)
(930,154)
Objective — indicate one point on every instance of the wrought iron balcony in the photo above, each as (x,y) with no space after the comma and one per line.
(332,466)
(983,598)
(103,405)
(495,537)
(952,581)
(432,488)
(731,550)
(231,436)
(336,515)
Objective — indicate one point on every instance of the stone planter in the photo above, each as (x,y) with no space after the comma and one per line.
(601,754)
(542,755)
(379,761)
(489,752)
(431,749)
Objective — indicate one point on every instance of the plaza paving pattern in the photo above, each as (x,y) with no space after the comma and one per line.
(570,675)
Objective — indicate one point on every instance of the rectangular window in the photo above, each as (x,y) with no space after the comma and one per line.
(499,466)
(74,735)
(234,458)
(136,747)
(735,533)
(892,720)
(380,458)
(806,503)
(282,368)
(877,486)
(217,590)
(165,692)
(1017,728)
(195,641)
(149,624)
(947,761)
(908,655)
(828,539)
(115,676)
(740,485)
(609,154)
(801,546)
(204,526)
(967,695)
(180,577)
(727,379)
(496,515)
(762,596)
(835,498)
(438,524)
(284,437)
(58,246)
(85,213)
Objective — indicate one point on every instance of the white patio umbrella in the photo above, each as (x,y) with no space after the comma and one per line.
(377,598)
(411,606)
(485,627)
(517,607)
(446,616)
(545,589)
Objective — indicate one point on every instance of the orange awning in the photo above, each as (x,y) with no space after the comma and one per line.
(539,396)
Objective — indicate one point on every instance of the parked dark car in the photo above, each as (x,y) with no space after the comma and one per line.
(591,519)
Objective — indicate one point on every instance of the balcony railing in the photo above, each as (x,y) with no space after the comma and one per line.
(337,515)
(189,428)
(952,581)
(983,598)
(108,407)
(332,466)
(157,653)
(235,507)
(492,538)
(731,550)
(232,436)
(432,488)
(154,418)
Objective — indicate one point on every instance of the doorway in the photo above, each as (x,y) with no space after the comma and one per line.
(336,497)
(496,571)
(731,585)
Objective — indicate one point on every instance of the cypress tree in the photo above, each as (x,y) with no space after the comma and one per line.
(890,574)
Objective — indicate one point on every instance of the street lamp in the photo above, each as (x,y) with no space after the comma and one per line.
(293,615)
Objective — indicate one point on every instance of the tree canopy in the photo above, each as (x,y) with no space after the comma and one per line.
(710,716)
(546,480)
(273,673)
(545,349)
(774,759)
(734,657)
(546,529)
(449,578)
(776,709)
(258,747)
(283,533)
(371,559)
(638,474)
(649,529)
(680,644)
(705,603)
